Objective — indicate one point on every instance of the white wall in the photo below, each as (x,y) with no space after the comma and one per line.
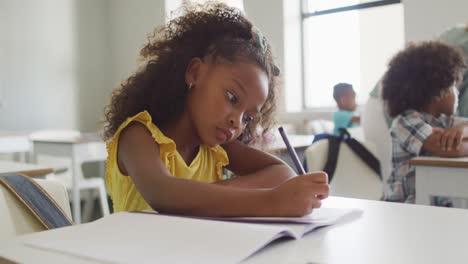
(93,62)
(270,23)
(53,63)
(130,23)
(39,78)
(3,22)
(425,19)
(60,59)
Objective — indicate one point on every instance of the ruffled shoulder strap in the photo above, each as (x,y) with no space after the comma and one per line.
(167,145)
(145,119)
(221,159)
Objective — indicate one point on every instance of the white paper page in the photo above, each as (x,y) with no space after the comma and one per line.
(299,226)
(321,217)
(147,238)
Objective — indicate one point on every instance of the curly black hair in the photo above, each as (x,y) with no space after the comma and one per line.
(212,30)
(419,73)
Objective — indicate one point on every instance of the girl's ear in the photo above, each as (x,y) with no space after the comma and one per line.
(192,72)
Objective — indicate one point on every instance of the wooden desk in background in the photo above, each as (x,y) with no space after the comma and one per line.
(27,169)
(83,148)
(436,176)
(15,143)
(298,142)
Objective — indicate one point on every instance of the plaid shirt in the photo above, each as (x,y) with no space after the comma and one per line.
(409,131)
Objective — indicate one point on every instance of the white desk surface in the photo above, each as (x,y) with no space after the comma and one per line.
(385,233)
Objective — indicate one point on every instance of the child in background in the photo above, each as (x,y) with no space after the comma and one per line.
(420,91)
(345,98)
(208,80)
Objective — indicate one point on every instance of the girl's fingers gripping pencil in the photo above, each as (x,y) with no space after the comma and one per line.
(293,155)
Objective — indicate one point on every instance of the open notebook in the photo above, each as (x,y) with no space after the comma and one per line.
(155,238)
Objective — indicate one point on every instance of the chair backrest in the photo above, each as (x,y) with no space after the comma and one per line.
(357,133)
(352,178)
(318,126)
(17,220)
(376,131)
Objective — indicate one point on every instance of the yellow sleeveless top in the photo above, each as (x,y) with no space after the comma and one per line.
(206,167)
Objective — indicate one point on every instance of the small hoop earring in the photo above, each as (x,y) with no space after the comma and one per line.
(190,86)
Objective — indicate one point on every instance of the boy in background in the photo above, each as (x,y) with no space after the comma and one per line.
(345,98)
(420,91)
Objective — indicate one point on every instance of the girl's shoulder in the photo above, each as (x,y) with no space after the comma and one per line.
(167,145)
(145,119)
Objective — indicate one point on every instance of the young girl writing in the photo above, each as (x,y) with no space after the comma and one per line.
(419,89)
(207,82)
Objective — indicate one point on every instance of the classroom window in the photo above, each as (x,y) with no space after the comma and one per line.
(347,41)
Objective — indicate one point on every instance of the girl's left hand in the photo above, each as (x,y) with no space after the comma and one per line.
(451,138)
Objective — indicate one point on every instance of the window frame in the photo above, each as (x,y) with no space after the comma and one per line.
(305,14)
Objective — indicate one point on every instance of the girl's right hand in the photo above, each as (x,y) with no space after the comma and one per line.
(298,196)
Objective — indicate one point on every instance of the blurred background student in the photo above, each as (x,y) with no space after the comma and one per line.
(345,98)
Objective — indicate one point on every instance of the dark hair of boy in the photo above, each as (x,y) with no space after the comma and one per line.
(420,73)
(340,89)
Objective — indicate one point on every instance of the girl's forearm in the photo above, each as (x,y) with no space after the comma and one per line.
(187,197)
(268,177)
